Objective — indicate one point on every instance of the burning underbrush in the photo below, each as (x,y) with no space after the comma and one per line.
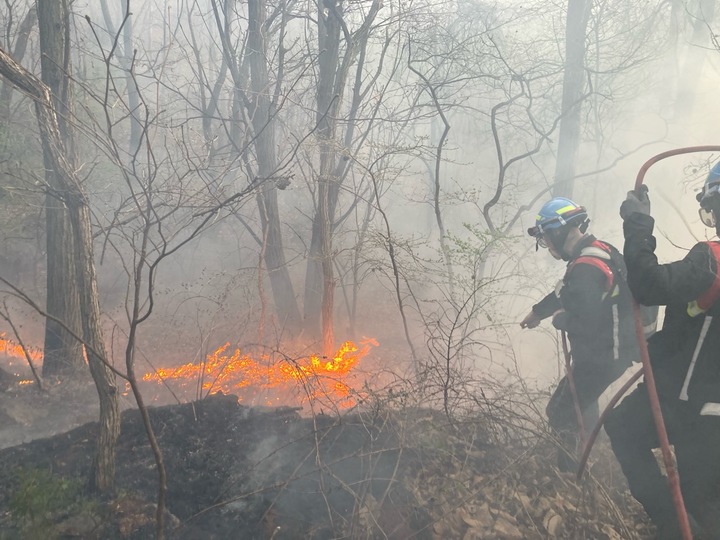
(269,378)
(273,379)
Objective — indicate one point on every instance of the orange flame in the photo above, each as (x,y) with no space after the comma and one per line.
(13,349)
(308,379)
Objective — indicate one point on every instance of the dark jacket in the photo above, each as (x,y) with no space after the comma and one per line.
(595,331)
(685,354)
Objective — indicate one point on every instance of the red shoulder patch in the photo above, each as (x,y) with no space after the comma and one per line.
(597,263)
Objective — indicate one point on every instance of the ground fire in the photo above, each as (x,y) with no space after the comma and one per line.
(13,349)
(275,379)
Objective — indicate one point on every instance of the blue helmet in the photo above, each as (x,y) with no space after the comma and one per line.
(709,199)
(711,186)
(558,213)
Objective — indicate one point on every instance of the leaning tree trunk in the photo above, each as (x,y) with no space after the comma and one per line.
(63,352)
(578,14)
(103,473)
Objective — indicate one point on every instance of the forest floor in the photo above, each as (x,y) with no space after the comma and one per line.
(236,472)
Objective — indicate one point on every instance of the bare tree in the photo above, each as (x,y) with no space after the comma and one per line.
(334,65)
(578,14)
(15,40)
(127,57)
(62,351)
(164,205)
(74,199)
(257,97)
(261,108)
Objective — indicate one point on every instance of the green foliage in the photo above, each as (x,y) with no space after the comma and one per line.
(39,498)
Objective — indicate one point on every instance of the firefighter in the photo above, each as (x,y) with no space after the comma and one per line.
(685,360)
(592,304)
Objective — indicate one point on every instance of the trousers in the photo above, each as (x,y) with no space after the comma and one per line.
(696,440)
(591,380)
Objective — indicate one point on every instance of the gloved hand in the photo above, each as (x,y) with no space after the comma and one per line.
(531,320)
(636,202)
(560,319)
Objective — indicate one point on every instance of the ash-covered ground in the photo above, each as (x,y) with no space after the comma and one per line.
(388,471)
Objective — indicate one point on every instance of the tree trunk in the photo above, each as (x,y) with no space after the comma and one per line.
(569,134)
(312,299)
(132,91)
(63,352)
(332,79)
(319,278)
(326,216)
(53,148)
(261,112)
(18,52)
(103,472)
(126,59)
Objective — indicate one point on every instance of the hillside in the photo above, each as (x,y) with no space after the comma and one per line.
(240,472)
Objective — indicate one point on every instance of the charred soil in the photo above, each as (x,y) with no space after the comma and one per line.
(246,473)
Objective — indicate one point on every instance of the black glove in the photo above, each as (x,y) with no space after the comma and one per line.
(561,318)
(636,202)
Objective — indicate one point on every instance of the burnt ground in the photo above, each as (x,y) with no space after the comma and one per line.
(238,472)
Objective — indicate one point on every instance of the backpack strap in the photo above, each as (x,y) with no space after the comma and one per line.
(599,255)
(596,254)
(710,296)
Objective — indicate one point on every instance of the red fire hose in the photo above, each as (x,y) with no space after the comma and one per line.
(594,433)
(672,474)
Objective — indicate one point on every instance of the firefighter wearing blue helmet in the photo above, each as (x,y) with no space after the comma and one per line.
(593,306)
(686,365)
(555,221)
(709,199)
